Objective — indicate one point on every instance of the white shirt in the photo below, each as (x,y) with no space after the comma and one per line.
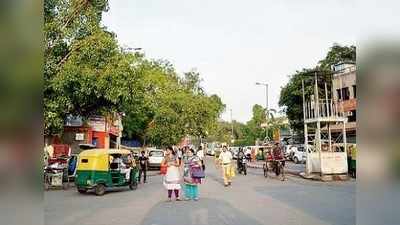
(225,157)
(200,154)
(120,162)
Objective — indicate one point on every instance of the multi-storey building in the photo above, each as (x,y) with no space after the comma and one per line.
(344,93)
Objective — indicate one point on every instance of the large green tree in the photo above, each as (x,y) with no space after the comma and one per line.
(80,56)
(174,106)
(88,73)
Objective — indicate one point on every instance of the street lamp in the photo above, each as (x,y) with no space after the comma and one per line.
(133,49)
(266,105)
(232,128)
(266,92)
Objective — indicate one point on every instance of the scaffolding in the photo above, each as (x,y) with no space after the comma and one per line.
(325,155)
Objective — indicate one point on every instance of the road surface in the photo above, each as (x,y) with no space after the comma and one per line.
(252,200)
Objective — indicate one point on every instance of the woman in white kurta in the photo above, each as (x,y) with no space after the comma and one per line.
(172,178)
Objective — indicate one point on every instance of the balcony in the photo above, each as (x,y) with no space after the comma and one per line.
(324,111)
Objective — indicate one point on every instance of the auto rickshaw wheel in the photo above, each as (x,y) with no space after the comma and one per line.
(100,189)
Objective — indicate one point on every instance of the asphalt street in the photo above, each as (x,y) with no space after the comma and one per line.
(251,199)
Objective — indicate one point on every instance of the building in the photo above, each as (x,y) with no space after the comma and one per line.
(100,131)
(344,93)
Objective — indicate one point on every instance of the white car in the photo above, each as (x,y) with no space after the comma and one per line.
(297,154)
(210,152)
(287,151)
(234,151)
(156,156)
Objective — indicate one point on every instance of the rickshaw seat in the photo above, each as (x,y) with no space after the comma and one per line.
(114,166)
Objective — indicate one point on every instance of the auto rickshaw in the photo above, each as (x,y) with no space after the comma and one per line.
(97,170)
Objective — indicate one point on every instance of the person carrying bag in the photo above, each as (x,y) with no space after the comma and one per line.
(193,173)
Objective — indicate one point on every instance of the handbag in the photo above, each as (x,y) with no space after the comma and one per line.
(198,173)
(163,169)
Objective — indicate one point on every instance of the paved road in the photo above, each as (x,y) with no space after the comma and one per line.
(251,199)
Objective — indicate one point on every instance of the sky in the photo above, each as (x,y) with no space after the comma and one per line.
(234,44)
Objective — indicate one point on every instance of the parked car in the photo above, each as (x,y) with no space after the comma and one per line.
(298,154)
(287,151)
(234,151)
(156,156)
(212,148)
(210,152)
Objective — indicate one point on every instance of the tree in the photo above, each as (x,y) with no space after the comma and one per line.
(173,106)
(87,73)
(71,27)
(338,53)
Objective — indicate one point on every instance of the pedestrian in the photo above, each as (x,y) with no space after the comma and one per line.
(240,157)
(180,154)
(191,182)
(248,153)
(123,168)
(172,177)
(200,154)
(143,162)
(253,154)
(225,160)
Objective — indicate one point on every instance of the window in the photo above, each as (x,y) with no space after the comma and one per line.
(95,141)
(84,161)
(339,94)
(345,93)
(353,116)
(354,91)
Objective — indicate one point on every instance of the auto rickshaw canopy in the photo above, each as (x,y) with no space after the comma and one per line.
(98,159)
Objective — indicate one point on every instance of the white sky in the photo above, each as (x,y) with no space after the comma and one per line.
(234,44)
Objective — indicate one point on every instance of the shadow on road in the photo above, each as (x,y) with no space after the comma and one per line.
(204,212)
(333,204)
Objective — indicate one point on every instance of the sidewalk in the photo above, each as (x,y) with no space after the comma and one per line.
(290,167)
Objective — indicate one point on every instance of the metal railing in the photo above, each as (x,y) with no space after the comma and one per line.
(326,109)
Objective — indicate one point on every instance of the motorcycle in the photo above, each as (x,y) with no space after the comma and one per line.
(242,165)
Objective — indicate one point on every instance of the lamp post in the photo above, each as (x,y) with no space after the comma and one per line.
(133,49)
(232,137)
(266,104)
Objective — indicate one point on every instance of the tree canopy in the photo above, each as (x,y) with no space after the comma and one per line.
(248,133)
(88,73)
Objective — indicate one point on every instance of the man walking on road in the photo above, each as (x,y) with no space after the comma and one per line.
(225,159)
(143,161)
(200,154)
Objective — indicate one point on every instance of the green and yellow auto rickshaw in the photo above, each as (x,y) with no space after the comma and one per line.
(99,169)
